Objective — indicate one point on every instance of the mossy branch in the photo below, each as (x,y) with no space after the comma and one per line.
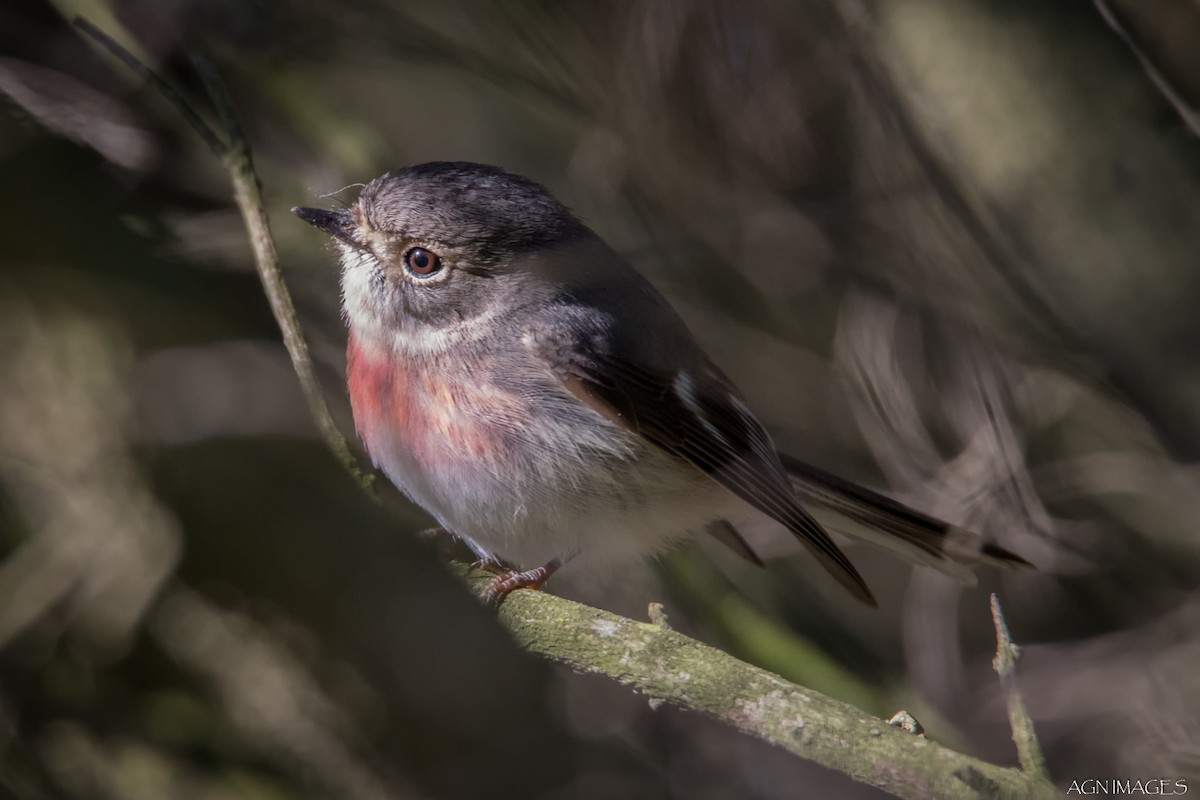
(649,658)
(667,666)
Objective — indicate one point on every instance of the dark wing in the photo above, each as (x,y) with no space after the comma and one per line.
(696,414)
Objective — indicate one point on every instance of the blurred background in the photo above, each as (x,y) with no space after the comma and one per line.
(947,248)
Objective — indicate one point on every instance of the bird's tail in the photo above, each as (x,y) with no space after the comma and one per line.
(858,512)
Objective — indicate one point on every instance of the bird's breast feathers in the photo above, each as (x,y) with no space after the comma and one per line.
(494,463)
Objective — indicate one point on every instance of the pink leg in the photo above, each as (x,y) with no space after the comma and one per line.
(510,580)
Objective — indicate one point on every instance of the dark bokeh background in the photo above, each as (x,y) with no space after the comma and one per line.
(946,248)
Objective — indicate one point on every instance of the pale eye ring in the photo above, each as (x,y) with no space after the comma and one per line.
(422,262)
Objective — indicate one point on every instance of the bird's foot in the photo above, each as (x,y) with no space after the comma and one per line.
(508,580)
(490,565)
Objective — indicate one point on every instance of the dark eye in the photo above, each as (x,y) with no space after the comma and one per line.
(421,261)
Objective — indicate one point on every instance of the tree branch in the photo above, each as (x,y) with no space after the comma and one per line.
(669,667)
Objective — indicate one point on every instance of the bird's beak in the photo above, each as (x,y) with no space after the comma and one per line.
(338,224)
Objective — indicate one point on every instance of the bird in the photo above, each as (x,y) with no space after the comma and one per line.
(518,379)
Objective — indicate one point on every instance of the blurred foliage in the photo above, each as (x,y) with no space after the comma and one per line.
(947,248)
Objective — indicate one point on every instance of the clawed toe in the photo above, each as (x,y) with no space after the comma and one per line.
(509,580)
(491,566)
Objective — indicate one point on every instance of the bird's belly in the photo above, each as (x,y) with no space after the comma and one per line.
(529,477)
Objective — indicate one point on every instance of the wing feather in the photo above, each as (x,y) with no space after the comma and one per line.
(698,417)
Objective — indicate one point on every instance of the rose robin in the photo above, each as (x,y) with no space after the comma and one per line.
(516,378)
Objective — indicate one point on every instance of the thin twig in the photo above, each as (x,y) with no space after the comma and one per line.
(247,193)
(1055,312)
(160,84)
(1029,752)
(1189,115)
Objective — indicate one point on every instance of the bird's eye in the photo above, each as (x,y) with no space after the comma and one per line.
(422,262)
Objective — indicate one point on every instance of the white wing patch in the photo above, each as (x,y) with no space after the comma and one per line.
(685,387)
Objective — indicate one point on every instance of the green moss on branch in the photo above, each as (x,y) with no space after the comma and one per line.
(670,667)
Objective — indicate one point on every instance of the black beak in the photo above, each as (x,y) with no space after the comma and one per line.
(337,224)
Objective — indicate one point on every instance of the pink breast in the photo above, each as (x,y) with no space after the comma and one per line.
(432,412)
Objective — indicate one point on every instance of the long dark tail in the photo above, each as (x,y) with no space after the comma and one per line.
(864,514)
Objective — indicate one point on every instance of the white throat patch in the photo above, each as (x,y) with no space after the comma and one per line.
(370,319)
